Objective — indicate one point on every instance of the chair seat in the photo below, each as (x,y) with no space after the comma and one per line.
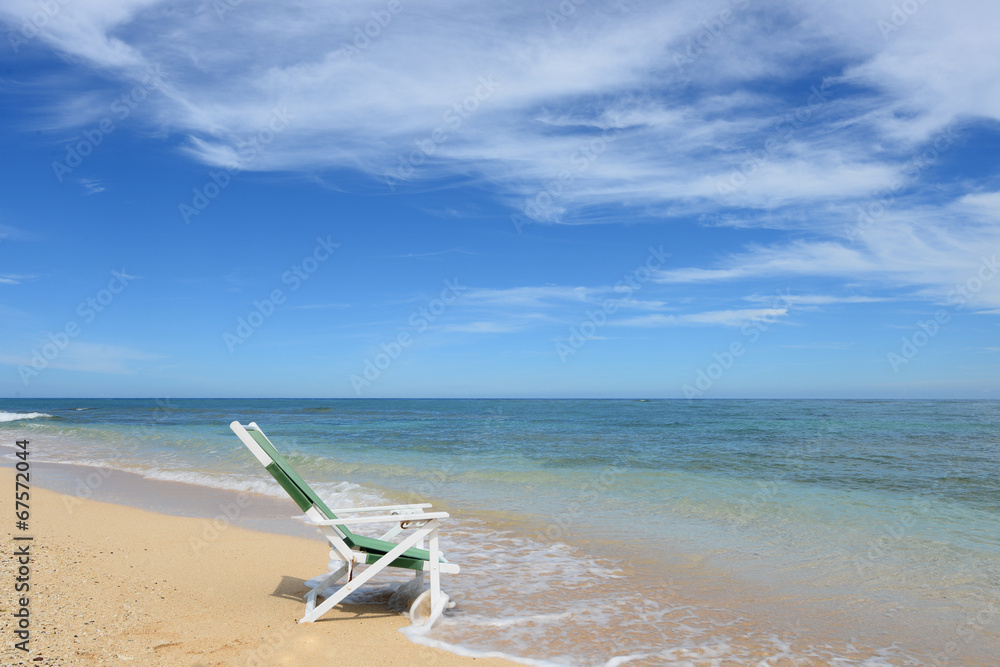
(373,545)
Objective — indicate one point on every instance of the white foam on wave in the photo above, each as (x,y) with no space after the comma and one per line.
(19,416)
(342,494)
(417,636)
(57,448)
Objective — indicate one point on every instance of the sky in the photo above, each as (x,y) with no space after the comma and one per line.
(575,198)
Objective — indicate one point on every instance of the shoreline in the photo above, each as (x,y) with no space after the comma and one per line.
(112,584)
(252,511)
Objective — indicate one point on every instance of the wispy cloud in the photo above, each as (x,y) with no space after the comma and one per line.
(530,296)
(92,185)
(322,306)
(434,255)
(484,327)
(12,233)
(799,300)
(727,318)
(14,279)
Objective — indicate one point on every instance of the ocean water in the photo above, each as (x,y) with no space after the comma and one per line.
(626,532)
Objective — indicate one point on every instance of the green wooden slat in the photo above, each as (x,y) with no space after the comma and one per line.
(286,467)
(290,487)
(407,563)
(373,545)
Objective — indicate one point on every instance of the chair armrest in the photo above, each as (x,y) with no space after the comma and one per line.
(380,508)
(387,518)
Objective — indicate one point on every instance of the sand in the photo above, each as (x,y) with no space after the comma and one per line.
(112,584)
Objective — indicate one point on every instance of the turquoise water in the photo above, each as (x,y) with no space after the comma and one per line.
(633,532)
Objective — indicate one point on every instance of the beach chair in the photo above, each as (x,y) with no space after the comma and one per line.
(350,550)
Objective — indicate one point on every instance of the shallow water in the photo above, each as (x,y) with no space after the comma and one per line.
(627,532)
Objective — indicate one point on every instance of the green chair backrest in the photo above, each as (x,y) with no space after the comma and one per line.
(293,484)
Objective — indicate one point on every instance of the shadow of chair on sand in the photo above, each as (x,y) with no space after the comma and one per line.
(294,588)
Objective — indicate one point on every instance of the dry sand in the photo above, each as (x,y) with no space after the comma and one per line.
(112,584)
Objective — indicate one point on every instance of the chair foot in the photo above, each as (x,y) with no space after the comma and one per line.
(424,614)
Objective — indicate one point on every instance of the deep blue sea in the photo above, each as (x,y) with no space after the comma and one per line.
(613,532)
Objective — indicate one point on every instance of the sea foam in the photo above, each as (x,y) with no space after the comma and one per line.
(18,416)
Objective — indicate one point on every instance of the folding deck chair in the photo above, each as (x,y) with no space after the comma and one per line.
(350,550)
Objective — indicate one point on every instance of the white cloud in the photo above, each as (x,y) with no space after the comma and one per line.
(92,185)
(923,252)
(321,306)
(983,204)
(799,300)
(726,318)
(527,296)
(798,258)
(484,327)
(15,279)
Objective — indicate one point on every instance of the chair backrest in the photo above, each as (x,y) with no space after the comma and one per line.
(285,474)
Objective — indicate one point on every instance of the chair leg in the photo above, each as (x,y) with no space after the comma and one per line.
(429,607)
(435,567)
(372,570)
(332,578)
(419,575)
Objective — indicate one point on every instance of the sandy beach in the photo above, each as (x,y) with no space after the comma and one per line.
(112,584)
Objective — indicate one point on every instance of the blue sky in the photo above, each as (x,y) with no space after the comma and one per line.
(607,198)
